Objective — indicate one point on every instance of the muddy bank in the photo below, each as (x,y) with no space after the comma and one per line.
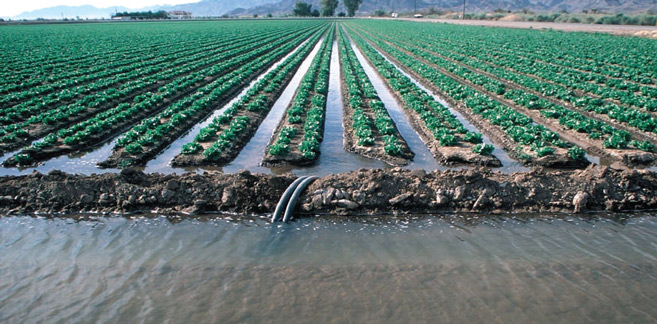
(360,192)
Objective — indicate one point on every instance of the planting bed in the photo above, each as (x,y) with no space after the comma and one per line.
(369,129)
(43,115)
(514,79)
(222,140)
(445,136)
(299,134)
(529,95)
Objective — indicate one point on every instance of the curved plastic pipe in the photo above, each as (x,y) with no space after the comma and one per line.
(284,198)
(295,196)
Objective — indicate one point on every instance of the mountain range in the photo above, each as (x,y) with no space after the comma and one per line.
(283,7)
(86,11)
(369,6)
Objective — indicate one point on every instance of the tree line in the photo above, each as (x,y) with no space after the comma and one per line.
(303,9)
(161,14)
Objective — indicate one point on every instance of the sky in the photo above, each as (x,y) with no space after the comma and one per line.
(10,8)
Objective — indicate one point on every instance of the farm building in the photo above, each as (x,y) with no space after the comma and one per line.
(178,14)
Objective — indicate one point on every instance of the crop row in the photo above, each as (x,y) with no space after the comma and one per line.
(96,129)
(564,73)
(305,116)
(108,79)
(219,142)
(76,51)
(149,137)
(569,118)
(558,76)
(643,121)
(15,88)
(436,123)
(16,134)
(532,140)
(106,75)
(371,123)
(627,58)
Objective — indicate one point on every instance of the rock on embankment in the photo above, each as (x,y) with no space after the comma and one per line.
(360,192)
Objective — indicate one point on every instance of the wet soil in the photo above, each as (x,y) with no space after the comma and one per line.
(391,191)
(557,160)
(40,130)
(294,156)
(460,154)
(255,119)
(628,156)
(636,133)
(119,154)
(375,151)
(60,148)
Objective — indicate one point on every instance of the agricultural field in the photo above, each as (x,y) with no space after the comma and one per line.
(199,92)
(355,170)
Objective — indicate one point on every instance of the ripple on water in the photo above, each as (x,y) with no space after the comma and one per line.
(377,269)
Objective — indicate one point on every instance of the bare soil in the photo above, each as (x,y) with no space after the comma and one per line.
(380,192)
(623,30)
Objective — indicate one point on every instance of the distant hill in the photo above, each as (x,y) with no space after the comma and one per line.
(217,7)
(369,6)
(202,8)
(280,7)
(85,11)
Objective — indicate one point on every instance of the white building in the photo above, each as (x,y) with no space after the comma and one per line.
(177,14)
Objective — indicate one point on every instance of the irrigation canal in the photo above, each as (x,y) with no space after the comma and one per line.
(330,269)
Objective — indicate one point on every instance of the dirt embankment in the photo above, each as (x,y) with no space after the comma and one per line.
(360,192)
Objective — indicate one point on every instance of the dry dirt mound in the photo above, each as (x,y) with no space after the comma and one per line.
(511,17)
(647,33)
(360,192)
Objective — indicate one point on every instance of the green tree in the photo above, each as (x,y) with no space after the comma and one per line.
(302,9)
(352,6)
(315,13)
(328,7)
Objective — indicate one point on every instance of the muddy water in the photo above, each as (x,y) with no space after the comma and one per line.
(328,270)
(83,162)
